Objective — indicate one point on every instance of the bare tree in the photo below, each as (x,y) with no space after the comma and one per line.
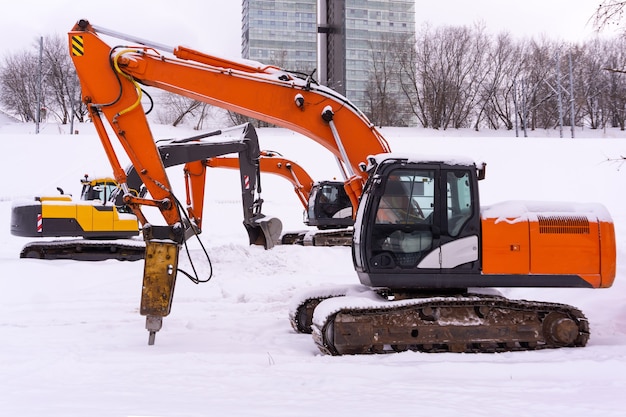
(503,64)
(449,70)
(383,87)
(19,81)
(609,12)
(591,86)
(616,94)
(60,80)
(536,98)
(410,81)
(175,108)
(238,119)
(470,75)
(52,83)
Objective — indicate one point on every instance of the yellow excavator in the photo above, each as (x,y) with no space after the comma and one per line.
(93,216)
(105,231)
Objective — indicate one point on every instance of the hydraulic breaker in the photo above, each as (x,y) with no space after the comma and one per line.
(159,279)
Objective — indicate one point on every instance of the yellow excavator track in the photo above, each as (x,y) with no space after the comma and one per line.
(85,250)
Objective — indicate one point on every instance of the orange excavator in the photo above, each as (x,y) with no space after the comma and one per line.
(326,203)
(421,239)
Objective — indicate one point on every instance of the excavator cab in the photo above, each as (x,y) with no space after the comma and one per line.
(97,189)
(418,225)
(329,206)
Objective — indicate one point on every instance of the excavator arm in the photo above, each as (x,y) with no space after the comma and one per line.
(273,163)
(195,153)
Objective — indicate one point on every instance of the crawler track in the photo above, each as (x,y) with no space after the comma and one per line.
(449,324)
(85,250)
(302,318)
(332,237)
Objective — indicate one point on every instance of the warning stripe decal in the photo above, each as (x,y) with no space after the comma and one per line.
(78,49)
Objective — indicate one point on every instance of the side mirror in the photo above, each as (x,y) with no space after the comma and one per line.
(482,171)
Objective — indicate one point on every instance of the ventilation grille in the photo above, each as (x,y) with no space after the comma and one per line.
(572,225)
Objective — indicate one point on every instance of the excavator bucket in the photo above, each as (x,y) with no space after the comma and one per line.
(265,231)
(159,278)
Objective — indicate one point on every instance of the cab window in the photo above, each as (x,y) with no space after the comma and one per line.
(459,200)
(402,233)
(408,198)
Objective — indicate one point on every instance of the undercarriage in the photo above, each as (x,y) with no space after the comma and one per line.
(86,250)
(377,321)
(329,237)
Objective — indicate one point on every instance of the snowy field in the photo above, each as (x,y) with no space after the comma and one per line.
(74,343)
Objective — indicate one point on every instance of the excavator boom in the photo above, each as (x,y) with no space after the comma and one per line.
(263,92)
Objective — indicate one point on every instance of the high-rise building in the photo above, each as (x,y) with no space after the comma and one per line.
(281,33)
(352,34)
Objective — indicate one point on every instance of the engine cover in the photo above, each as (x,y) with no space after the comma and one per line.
(533,238)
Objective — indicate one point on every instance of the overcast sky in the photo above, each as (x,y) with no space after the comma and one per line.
(213,26)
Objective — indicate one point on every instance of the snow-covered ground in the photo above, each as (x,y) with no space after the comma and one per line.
(73,342)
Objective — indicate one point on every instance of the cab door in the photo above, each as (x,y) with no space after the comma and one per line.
(458,237)
(403,218)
